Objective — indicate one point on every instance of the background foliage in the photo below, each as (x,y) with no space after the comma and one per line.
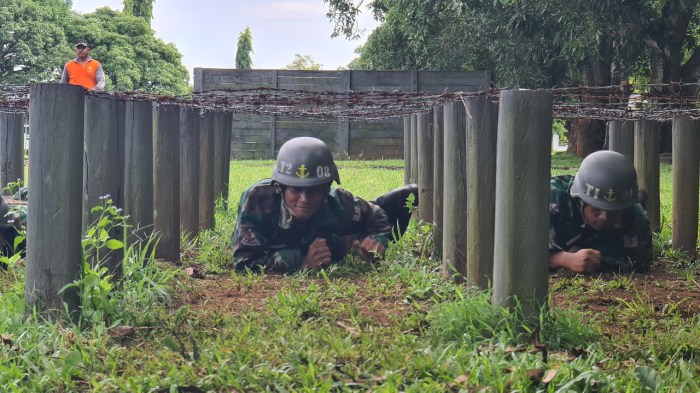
(36,40)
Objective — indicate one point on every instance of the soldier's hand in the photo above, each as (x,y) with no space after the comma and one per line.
(369,249)
(586,260)
(318,256)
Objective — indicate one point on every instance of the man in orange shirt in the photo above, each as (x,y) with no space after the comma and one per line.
(84,70)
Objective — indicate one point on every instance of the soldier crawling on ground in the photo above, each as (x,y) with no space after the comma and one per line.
(595,222)
(295,220)
(11,223)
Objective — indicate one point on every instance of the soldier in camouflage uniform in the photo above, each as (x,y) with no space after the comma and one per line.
(595,222)
(296,221)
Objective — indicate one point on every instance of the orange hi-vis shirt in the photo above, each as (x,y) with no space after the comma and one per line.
(83,75)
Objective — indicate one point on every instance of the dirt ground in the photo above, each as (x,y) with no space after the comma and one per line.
(592,295)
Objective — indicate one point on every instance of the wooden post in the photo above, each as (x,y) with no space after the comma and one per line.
(103,170)
(206,171)
(55,203)
(686,158)
(438,179)
(647,147)
(343,137)
(11,150)
(482,129)
(521,257)
(414,149)
(166,182)
(425,176)
(621,137)
(406,149)
(454,237)
(219,153)
(190,121)
(138,169)
(228,130)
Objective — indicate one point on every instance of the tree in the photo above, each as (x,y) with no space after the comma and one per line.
(132,57)
(139,8)
(304,62)
(33,46)
(536,43)
(244,48)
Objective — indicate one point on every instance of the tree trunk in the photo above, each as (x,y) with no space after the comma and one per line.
(585,136)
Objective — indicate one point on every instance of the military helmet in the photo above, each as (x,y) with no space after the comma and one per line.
(606,180)
(305,162)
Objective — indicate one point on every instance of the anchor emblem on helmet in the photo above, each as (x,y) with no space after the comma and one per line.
(610,196)
(302,172)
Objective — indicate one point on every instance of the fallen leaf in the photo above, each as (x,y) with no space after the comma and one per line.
(121,331)
(549,376)
(353,332)
(462,379)
(194,272)
(6,339)
(535,374)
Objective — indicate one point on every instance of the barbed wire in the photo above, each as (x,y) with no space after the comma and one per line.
(660,102)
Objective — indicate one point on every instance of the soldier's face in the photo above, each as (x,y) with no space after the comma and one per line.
(599,219)
(304,202)
(82,52)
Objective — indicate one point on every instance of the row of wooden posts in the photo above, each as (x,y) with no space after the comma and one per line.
(483,172)
(164,165)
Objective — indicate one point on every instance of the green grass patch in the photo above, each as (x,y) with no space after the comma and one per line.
(397,325)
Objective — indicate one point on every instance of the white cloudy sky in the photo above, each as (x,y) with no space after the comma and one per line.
(205,31)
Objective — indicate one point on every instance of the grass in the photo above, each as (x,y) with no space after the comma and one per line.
(393,326)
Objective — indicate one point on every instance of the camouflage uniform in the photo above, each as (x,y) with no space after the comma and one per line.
(625,247)
(266,236)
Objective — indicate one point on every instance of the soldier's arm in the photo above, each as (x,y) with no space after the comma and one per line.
(64,75)
(251,240)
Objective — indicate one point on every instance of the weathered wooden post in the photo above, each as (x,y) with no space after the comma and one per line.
(438,177)
(228,134)
(686,158)
(647,147)
(454,236)
(219,151)
(222,156)
(521,256)
(621,137)
(482,129)
(55,203)
(414,149)
(11,150)
(407,149)
(103,171)
(190,121)
(206,171)
(425,174)
(166,182)
(138,169)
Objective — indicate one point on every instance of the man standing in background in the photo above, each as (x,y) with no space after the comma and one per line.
(83,70)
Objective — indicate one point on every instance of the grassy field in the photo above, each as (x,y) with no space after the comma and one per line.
(394,326)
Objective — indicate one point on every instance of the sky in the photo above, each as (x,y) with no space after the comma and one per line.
(206,31)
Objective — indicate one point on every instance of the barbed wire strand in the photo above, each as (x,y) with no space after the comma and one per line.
(659,102)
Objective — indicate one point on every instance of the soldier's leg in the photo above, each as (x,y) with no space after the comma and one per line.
(394,203)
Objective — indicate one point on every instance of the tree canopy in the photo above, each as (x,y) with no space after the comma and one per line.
(139,8)
(36,40)
(244,49)
(305,62)
(33,46)
(532,43)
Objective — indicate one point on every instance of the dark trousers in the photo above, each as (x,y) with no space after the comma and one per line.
(394,204)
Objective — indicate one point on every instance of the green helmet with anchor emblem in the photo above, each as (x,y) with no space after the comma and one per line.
(606,180)
(305,162)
